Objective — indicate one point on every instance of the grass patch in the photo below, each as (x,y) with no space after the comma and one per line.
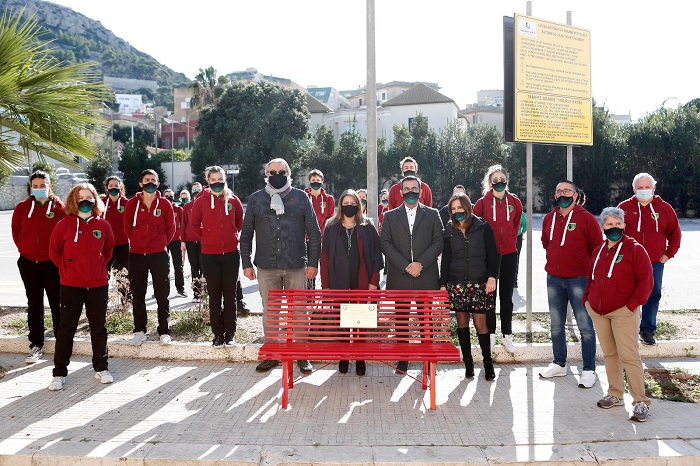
(682,311)
(3,372)
(119,322)
(189,325)
(666,331)
(672,385)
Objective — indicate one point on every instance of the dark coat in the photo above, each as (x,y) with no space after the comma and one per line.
(472,259)
(334,258)
(401,248)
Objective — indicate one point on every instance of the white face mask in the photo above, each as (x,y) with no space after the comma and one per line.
(644,195)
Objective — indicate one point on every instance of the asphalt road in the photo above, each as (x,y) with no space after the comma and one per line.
(679,290)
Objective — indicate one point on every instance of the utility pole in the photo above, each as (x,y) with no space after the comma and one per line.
(372,178)
(569,147)
(530,193)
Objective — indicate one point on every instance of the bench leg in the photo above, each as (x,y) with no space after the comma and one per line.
(432,386)
(285,384)
(426,368)
(290,373)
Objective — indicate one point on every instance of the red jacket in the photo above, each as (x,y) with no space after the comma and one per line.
(209,223)
(81,250)
(583,236)
(154,227)
(324,206)
(177,215)
(505,221)
(658,231)
(396,198)
(114,214)
(186,214)
(31,232)
(630,282)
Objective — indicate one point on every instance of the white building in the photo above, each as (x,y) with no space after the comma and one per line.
(129,103)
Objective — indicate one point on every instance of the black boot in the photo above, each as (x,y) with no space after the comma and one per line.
(466,345)
(485,344)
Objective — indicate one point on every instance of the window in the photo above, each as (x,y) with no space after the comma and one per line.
(383,95)
(181,141)
(498,100)
(360,102)
(410,123)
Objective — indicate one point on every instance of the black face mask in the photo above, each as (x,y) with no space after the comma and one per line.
(564,201)
(499,187)
(613,234)
(170,198)
(150,188)
(113,192)
(349,210)
(85,206)
(316,186)
(409,173)
(277,181)
(217,187)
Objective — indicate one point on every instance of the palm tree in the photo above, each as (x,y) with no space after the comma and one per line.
(207,88)
(46,107)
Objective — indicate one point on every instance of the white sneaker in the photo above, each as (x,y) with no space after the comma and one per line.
(165,339)
(34,356)
(138,339)
(587,379)
(104,376)
(507,342)
(553,370)
(57,384)
(493,342)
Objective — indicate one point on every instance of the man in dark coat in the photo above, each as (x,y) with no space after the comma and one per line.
(411,241)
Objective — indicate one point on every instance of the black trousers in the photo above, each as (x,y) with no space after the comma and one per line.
(39,277)
(159,266)
(519,247)
(176,256)
(194,256)
(120,263)
(221,272)
(72,300)
(506,280)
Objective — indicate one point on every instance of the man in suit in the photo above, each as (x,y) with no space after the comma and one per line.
(411,241)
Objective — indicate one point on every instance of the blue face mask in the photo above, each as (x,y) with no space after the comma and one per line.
(460,216)
(40,193)
(410,198)
(85,206)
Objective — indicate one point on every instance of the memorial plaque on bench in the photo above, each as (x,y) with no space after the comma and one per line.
(353,315)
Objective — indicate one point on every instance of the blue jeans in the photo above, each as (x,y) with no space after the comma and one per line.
(561,291)
(651,308)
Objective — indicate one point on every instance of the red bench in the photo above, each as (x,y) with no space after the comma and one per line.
(411,325)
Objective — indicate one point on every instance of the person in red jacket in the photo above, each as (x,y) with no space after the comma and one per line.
(150,225)
(653,223)
(81,247)
(115,205)
(323,204)
(176,247)
(570,234)
(383,206)
(502,210)
(620,280)
(216,220)
(193,248)
(409,167)
(33,220)
(351,256)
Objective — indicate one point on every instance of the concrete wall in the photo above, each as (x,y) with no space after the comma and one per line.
(11,195)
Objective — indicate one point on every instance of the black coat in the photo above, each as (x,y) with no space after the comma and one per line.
(472,259)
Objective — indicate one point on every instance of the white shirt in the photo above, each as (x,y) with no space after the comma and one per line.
(411,214)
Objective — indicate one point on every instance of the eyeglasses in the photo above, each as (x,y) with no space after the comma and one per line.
(411,190)
(500,180)
(281,172)
(565,192)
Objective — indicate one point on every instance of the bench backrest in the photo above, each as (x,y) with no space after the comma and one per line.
(314,315)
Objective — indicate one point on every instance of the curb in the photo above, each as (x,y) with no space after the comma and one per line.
(526,352)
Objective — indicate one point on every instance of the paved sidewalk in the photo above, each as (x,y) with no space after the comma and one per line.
(202,412)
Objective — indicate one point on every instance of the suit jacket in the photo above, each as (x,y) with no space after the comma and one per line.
(401,248)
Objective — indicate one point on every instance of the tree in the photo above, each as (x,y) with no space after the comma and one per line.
(46,106)
(135,160)
(100,169)
(250,124)
(207,88)
(142,135)
(47,168)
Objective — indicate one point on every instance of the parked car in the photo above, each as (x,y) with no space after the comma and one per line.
(73,178)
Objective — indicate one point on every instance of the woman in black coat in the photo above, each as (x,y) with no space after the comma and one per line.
(468,272)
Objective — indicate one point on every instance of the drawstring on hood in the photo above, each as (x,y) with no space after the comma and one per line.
(614,261)
(323,203)
(136,211)
(653,214)
(48,210)
(225,202)
(507,208)
(119,202)
(566,227)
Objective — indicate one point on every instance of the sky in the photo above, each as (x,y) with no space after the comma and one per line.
(643,53)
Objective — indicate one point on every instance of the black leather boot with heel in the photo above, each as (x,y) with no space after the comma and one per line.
(485,344)
(466,345)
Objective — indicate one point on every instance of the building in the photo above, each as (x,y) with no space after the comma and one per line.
(490,98)
(477,114)
(252,75)
(622,120)
(128,84)
(329,96)
(318,110)
(129,103)
(358,97)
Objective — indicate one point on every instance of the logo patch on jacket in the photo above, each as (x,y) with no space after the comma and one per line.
(571,227)
(49,214)
(511,208)
(618,259)
(97,233)
(655,215)
(229,206)
(323,204)
(120,209)
(157,212)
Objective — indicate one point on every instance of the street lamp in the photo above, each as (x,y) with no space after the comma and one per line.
(111,120)
(172,147)
(188,128)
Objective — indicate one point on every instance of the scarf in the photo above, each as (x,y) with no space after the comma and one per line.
(276,203)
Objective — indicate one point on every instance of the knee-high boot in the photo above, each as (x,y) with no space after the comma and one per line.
(466,345)
(485,344)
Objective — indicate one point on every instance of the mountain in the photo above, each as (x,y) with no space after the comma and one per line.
(77,38)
